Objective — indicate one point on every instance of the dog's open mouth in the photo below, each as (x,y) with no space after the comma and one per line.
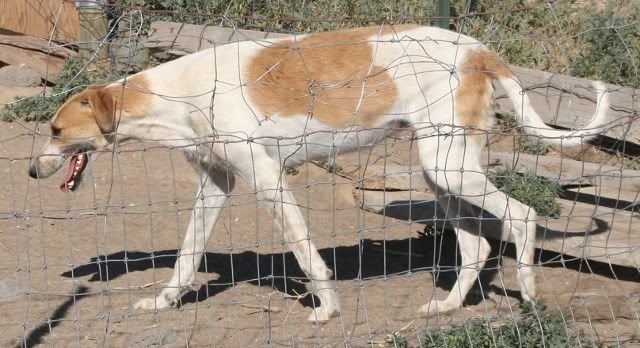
(77,165)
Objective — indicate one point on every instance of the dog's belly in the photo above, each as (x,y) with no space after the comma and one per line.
(294,140)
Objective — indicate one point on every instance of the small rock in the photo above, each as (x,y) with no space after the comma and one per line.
(19,76)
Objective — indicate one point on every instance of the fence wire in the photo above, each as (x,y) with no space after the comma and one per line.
(75,264)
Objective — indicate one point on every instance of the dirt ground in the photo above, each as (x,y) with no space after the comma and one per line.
(72,265)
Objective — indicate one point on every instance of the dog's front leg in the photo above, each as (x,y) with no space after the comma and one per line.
(209,202)
(272,189)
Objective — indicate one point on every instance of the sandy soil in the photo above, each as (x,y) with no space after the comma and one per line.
(71,266)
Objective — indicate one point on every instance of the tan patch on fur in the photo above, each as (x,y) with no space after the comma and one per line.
(134,97)
(77,120)
(327,76)
(474,95)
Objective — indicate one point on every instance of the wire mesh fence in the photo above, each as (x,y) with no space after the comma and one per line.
(390,206)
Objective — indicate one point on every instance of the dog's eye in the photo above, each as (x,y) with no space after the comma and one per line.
(84,101)
(55,131)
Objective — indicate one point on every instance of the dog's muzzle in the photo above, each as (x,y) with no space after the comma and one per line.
(45,165)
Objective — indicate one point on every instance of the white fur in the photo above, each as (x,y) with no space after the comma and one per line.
(225,130)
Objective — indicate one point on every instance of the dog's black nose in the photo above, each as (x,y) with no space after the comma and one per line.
(33,172)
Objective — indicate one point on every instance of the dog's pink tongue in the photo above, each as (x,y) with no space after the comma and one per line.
(64,187)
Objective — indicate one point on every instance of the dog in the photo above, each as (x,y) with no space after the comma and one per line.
(248,109)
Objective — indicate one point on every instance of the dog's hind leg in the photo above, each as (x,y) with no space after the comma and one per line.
(451,163)
(474,251)
(210,199)
(265,173)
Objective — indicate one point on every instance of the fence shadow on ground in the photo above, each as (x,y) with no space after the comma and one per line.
(368,259)
(36,335)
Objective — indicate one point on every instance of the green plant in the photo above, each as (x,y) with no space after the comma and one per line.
(39,107)
(535,191)
(531,145)
(533,328)
(539,37)
(612,48)
(288,15)
(562,36)
(506,120)
(398,340)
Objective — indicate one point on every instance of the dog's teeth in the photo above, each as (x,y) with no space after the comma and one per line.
(70,184)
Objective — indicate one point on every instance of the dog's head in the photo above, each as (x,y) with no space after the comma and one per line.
(83,123)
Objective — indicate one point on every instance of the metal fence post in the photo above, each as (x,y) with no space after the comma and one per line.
(443,13)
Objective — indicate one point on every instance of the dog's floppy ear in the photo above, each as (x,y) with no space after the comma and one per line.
(103,105)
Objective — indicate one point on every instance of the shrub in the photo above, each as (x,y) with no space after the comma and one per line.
(532,329)
(611,48)
(398,341)
(289,15)
(562,37)
(535,191)
(538,38)
(531,144)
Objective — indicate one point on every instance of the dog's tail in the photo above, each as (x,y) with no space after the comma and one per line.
(485,62)
(533,123)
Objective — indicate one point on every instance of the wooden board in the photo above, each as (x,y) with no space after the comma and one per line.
(597,223)
(570,102)
(46,19)
(33,43)
(41,56)
(181,39)
(566,171)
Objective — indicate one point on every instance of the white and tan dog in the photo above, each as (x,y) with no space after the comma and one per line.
(249,108)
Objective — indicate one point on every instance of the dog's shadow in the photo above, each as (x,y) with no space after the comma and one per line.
(367,259)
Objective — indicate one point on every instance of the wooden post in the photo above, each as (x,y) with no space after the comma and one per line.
(93,30)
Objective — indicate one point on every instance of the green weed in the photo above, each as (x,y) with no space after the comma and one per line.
(506,121)
(533,328)
(530,144)
(535,191)
(398,340)
(612,49)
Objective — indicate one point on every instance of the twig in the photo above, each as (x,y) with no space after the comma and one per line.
(263,308)
(144,286)
(389,338)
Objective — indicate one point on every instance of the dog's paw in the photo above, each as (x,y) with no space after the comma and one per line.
(159,302)
(435,307)
(323,314)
